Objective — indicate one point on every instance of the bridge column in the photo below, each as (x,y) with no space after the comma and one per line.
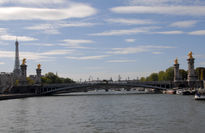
(38,74)
(177,77)
(176,71)
(23,80)
(191,77)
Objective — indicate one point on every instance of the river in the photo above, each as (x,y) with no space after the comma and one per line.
(145,113)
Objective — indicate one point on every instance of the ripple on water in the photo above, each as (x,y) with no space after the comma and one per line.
(103,114)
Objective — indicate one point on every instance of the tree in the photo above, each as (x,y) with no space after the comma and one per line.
(51,78)
(153,77)
(200,72)
(161,76)
(183,74)
(169,74)
(30,81)
(68,80)
(142,79)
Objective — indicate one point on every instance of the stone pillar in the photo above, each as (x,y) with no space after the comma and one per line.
(23,80)
(176,74)
(191,77)
(38,76)
(191,71)
(176,71)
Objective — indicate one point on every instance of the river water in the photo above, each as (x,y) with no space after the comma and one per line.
(145,113)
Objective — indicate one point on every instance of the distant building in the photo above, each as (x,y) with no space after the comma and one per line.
(6,81)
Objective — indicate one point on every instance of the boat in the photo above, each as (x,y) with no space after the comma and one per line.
(179,92)
(188,92)
(149,91)
(200,95)
(120,91)
(170,91)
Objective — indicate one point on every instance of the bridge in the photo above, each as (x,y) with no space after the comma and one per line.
(89,86)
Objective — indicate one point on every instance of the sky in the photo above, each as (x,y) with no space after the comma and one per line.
(102,38)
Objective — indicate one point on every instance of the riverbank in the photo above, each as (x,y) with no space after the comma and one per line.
(15,96)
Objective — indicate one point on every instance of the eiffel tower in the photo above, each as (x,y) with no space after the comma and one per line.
(16,70)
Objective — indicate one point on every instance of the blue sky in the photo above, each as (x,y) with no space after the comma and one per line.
(102,38)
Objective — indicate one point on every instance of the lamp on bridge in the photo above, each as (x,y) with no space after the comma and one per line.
(38,74)
(191,77)
(23,80)
(176,70)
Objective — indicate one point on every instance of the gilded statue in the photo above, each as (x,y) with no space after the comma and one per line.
(176,61)
(39,66)
(24,61)
(190,55)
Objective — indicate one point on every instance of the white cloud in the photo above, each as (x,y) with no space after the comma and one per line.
(121,61)
(4,35)
(6,54)
(71,43)
(170,32)
(32,55)
(35,55)
(129,50)
(23,13)
(137,49)
(32,2)
(20,38)
(125,31)
(170,10)
(46,28)
(156,53)
(148,2)
(130,40)
(40,44)
(3,31)
(135,31)
(130,21)
(184,24)
(28,55)
(3,43)
(88,57)
(2,63)
(57,52)
(198,32)
(76,24)
(95,68)
(166,2)
(119,32)
(54,28)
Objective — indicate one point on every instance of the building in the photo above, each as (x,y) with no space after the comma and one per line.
(6,81)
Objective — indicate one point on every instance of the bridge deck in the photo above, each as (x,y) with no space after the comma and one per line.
(55,88)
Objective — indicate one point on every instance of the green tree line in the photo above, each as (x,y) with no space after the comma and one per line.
(51,78)
(168,75)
